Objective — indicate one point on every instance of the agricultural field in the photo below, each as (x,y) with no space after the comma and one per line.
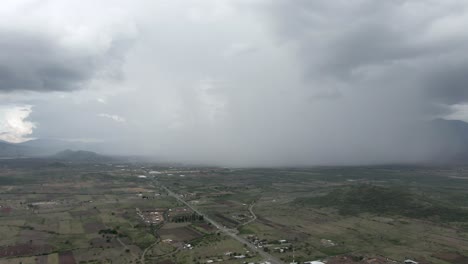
(123,213)
(61,214)
(95,213)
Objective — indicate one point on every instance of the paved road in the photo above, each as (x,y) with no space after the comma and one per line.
(226,231)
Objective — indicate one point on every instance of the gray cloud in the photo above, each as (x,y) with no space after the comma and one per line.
(39,62)
(392,43)
(255,82)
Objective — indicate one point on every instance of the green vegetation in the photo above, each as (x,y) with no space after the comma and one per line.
(194,217)
(89,212)
(380,200)
(108,231)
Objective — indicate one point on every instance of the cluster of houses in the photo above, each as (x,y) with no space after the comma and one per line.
(188,196)
(151,216)
(260,243)
(280,246)
(148,195)
(229,255)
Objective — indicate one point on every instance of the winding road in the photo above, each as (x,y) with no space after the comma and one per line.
(142,259)
(254,216)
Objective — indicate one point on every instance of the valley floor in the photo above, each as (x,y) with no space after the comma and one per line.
(127,213)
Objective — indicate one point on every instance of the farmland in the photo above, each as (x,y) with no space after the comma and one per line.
(108,213)
(98,213)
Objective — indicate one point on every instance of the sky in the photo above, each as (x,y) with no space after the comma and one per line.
(236,82)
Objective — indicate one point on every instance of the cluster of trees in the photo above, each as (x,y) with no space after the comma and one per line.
(108,231)
(194,217)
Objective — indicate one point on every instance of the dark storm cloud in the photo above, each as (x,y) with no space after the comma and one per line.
(351,35)
(39,62)
(341,39)
(247,82)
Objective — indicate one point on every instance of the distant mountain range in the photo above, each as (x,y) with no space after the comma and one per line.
(52,149)
(9,150)
(81,156)
(45,147)
(451,142)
